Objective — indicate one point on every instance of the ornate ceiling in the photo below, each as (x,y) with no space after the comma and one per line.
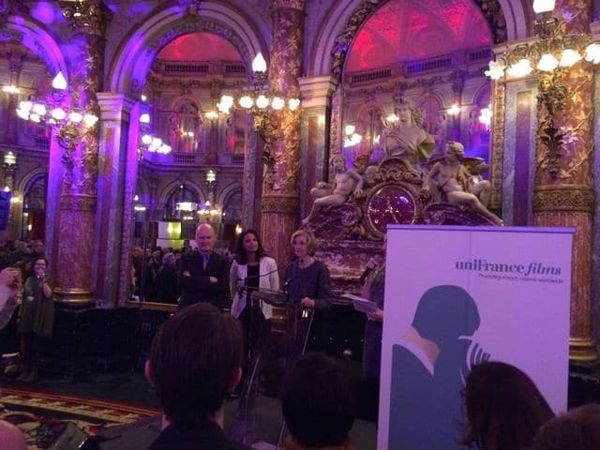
(199,47)
(413,29)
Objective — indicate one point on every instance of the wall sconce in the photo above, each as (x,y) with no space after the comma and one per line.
(11,89)
(550,56)
(149,142)
(211,176)
(259,101)
(9,159)
(454,110)
(485,116)
(9,165)
(351,136)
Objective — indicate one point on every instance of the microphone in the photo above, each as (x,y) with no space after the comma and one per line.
(365,274)
(241,287)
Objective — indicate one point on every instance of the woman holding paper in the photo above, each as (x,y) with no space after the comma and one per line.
(373,290)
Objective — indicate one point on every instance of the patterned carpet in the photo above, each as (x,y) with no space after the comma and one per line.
(43,417)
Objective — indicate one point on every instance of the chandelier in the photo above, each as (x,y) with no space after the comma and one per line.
(258,100)
(56,111)
(550,57)
(554,51)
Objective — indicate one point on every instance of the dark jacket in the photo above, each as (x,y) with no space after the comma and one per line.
(197,287)
(201,436)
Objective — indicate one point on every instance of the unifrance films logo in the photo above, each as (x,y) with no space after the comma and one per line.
(532,271)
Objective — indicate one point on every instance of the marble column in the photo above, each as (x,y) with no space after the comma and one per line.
(280,200)
(78,197)
(116,172)
(252,181)
(15,65)
(564,193)
(316,93)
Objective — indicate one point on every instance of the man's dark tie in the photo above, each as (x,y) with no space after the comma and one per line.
(204,261)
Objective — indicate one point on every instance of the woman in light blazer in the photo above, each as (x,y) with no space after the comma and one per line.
(251,271)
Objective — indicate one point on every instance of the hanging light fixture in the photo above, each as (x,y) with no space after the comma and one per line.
(56,110)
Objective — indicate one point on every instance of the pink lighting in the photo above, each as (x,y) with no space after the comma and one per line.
(403,30)
(199,47)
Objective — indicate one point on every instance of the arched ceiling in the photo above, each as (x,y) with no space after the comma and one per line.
(200,47)
(403,30)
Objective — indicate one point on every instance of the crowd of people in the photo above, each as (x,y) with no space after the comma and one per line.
(199,355)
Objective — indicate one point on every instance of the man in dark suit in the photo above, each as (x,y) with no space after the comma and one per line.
(204,273)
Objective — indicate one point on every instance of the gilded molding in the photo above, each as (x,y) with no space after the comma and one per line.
(563,197)
(280,204)
(193,24)
(491,10)
(498,137)
(73,296)
(289,4)
(88,17)
(582,350)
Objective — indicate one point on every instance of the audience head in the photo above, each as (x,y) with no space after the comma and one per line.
(318,402)
(195,362)
(11,437)
(578,429)
(249,242)
(169,259)
(504,407)
(304,243)
(205,238)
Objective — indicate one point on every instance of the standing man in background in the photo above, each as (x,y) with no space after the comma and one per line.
(204,273)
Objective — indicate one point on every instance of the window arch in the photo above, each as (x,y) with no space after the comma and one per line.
(34,208)
(180,194)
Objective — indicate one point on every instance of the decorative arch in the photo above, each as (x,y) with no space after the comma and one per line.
(32,35)
(234,215)
(482,93)
(30,177)
(132,63)
(142,186)
(172,186)
(508,20)
(227,192)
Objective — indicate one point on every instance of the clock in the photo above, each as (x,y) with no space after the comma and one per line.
(390,203)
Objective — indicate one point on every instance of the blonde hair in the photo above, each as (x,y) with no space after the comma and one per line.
(311,241)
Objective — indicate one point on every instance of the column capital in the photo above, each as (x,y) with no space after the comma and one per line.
(316,91)
(113,105)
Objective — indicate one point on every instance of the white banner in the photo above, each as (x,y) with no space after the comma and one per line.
(455,296)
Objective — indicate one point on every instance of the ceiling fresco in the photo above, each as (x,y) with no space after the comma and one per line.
(404,30)
(199,47)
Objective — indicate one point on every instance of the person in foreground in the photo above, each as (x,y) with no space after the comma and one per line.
(504,408)
(195,363)
(578,429)
(11,438)
(318,404)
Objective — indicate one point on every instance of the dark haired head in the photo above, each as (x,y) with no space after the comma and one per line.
(242,255)
(39,258)
(578,429)
(317,401)
(504,407)
(195,362)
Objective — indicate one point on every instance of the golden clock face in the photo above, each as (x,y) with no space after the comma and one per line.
(390,204)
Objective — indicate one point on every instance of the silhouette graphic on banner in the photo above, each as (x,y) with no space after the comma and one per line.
(429,367)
